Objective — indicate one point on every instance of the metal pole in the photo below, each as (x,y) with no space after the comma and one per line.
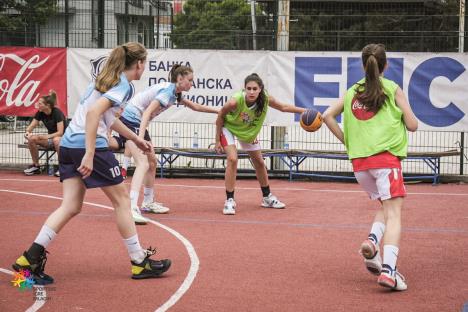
(282,45)
(157,27)
(462,151)
(172,24)
(283,25)
(254,25)
(461,29)
(101,23)
(67,25)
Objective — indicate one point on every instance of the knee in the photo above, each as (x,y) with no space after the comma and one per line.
(56,140)
(152,164)
(232,160)
(258,163)
(32,140)
(73,211)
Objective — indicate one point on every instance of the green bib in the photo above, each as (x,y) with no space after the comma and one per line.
(243,122)
(371,135)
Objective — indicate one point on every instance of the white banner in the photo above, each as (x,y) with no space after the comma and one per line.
(435,84)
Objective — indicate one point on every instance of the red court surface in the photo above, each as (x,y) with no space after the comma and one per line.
(302,258)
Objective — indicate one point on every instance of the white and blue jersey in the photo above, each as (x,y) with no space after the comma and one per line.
(164,93)
(75,135)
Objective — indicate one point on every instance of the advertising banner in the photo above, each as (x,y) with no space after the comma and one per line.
(29,73)
(435,84)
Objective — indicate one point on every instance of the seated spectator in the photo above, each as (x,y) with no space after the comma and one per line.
(55,122)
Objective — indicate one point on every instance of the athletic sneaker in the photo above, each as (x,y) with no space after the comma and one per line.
(31,170)
(150,268)
(137,217)
(57,173)
(123,171)
(272,202)
(372,258)
(397,282)
(229,207)
(36,267)
(154,207)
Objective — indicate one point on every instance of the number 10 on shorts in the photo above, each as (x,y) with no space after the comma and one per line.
(115,171)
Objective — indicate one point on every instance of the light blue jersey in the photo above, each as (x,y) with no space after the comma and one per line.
(164,93)
(75,135)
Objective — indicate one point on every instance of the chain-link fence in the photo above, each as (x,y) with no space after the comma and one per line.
(405,26)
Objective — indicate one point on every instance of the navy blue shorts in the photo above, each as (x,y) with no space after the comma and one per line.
(106,170)
(135,127)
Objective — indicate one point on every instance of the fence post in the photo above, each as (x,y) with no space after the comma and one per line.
(277,142)
(462,151)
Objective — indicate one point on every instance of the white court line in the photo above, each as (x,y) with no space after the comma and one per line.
(37,303)
(195,262)
(256,188)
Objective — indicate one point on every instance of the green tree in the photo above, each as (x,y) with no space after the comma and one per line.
(19,19)
(224,24)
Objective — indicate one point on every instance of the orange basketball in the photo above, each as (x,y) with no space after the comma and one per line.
(311,120)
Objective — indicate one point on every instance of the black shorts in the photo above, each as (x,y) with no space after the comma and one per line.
(135,127)
(106,170)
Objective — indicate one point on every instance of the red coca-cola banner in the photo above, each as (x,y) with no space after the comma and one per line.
(28,73)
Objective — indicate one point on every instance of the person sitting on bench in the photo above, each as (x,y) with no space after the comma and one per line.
(55,122)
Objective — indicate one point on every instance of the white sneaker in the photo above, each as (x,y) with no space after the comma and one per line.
(154,207)
(32,170)
(398,282)
(137,217)
(229,207)
(272,202)
(372,258)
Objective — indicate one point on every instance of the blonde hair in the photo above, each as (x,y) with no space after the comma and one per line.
(121,58)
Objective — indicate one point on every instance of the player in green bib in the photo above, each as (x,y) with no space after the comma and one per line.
(376,118)
(242,117)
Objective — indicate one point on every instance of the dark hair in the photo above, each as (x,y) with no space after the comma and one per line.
(262,97)
(374,59)
(50,99)
(121,58)
(176,71)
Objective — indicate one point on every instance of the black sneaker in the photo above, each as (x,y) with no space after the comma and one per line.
(36,267)
(150,268)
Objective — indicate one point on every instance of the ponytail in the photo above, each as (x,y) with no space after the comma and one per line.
(371,93)
(122,57)
(50,99)
(176,71)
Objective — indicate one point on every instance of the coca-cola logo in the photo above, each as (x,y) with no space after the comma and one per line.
(360,111)
(96,66)
(20,90)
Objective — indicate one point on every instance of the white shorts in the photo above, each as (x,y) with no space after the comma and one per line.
(382,184)
(227,138)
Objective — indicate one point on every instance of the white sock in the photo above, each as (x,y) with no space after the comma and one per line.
(390,256)
(134,197)
(126,162)
(377,231)
(148,193)
(45,236)
(136,253)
